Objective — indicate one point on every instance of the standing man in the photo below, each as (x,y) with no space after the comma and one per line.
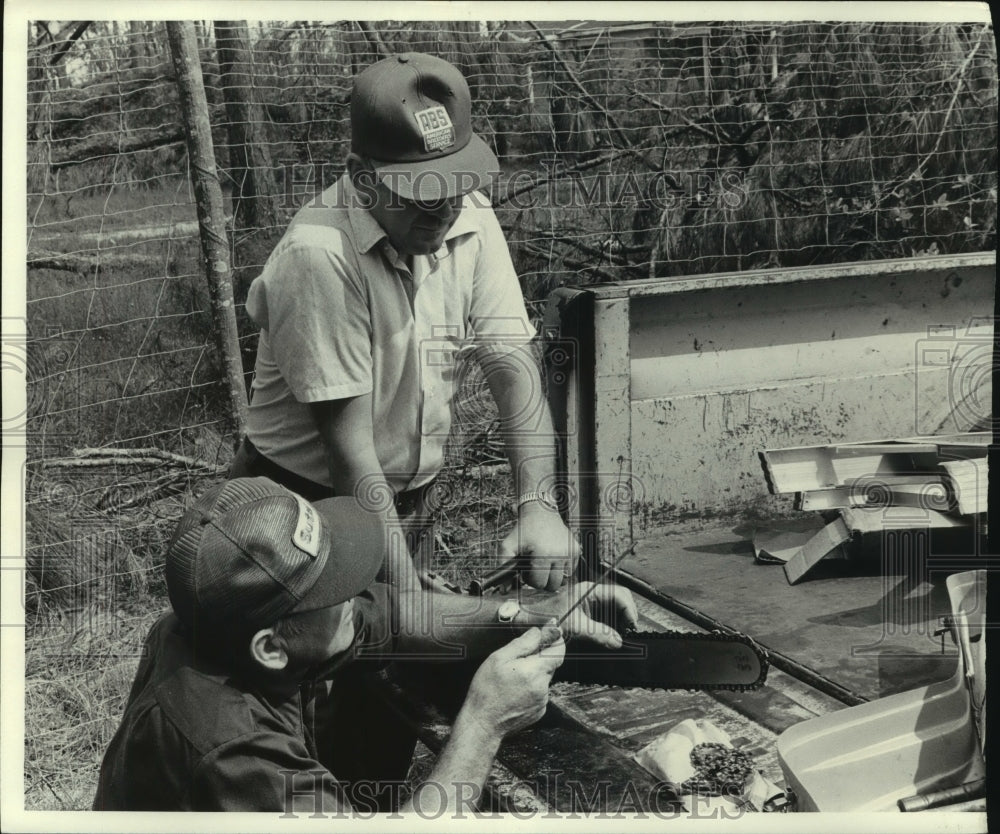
(365,303)
(273,601)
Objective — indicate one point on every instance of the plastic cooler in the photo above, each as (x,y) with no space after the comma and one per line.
(867,757)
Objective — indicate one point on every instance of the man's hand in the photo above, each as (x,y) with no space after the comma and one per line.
(608,608)
(542,541)
(509,692)
(511,688)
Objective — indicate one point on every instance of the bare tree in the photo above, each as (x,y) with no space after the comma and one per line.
(249,158)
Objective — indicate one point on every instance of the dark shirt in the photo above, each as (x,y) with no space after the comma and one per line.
(195,737)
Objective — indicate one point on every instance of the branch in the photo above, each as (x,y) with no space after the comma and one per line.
(121,497)
(98,146)
(44,32)
(93,264)
(374,39)
(96,463)
(90,456)
(64,47)
(573,169)
(571,264)
(616,258)
(680,113)
(113,237)
(918,171)
(587,97)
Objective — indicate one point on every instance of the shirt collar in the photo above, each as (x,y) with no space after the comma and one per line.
(367,231)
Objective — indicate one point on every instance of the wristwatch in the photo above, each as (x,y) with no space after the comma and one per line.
(507,611)
(543,497)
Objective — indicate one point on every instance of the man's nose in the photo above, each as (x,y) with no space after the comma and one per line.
(443,209)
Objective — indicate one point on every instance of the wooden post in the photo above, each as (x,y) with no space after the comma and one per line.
(211,220)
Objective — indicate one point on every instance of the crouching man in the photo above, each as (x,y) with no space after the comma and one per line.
(274,599)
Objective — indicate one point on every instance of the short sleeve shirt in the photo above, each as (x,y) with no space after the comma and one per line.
(342,315)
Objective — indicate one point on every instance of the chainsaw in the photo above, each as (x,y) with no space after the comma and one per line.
(655,659)
(670,660)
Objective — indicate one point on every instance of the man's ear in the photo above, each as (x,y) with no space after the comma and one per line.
(268,650)
(365,182)
(356,165)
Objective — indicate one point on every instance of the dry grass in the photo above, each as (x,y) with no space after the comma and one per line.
(94,587)
(77,678)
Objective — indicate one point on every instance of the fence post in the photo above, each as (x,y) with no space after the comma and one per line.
(211,219)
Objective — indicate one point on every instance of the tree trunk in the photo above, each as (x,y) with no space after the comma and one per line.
(254,192)
(39,122)
(139,46)
(208,197)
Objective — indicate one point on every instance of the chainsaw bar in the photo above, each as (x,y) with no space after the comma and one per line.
(671,660)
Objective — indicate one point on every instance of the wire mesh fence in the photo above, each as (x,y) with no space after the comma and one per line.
(628,151)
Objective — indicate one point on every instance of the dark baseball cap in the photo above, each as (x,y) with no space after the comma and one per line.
(249,552)
(411,115)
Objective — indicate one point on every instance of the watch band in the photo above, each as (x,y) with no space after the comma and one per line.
(546,499)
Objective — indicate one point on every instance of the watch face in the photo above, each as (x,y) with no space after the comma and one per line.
(507,611)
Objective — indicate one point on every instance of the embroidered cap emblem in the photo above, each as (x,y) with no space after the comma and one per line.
(436,128)
(306,535)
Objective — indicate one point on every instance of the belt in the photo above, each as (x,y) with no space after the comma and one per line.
(407,501)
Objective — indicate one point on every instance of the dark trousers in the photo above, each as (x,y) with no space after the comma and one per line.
(362,739)
(411,507)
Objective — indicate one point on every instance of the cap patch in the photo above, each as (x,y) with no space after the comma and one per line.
(436,128)
(307,528)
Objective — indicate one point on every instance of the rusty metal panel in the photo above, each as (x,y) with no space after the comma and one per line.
(719,374)
(569,364)
(722,366)
(727,339)
(613,420)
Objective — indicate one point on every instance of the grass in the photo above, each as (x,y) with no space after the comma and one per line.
(121,355)
(68,215)
(124,351)
(76,684)
(94,587)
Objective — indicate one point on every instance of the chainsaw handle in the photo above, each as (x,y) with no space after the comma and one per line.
(506,572)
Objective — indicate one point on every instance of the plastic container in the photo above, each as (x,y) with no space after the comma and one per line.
(867,757)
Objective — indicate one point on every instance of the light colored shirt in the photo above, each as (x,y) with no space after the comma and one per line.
(337,320)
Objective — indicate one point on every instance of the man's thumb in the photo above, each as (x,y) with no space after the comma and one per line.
(533,640)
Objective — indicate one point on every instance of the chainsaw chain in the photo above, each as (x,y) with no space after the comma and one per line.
(716,635)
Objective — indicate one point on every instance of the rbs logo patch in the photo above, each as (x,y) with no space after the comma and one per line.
(307,529)
(436,128)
